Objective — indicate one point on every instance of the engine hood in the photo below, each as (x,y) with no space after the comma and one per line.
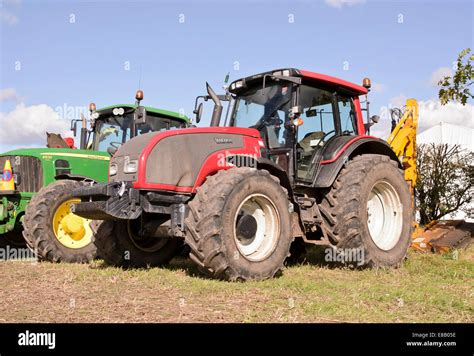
(176,158)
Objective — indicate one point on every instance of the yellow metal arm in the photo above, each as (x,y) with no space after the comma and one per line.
(403,141)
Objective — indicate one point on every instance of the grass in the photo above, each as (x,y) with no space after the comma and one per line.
(427,288)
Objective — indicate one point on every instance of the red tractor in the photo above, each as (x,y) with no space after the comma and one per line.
(292,164)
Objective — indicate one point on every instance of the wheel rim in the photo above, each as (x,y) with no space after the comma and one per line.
(71,230)
(145,243)
(384,215)
(256,227)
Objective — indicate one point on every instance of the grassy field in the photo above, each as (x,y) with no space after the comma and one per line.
(427,288)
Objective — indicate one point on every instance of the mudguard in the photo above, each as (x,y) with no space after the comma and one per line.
(342,149)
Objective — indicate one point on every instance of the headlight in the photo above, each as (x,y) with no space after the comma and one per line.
(130,166)
(283,73)
(237,85)
(118,111)
(113,169)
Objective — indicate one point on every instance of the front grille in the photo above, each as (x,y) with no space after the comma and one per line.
(28,170)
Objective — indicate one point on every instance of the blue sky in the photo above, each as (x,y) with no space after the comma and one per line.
(398,44)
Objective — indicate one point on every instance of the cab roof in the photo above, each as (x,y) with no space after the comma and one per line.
(160,112)
(327,80)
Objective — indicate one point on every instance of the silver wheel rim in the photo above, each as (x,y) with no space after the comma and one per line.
(384,215)
(261,244)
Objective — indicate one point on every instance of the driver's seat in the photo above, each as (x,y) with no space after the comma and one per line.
(305,143)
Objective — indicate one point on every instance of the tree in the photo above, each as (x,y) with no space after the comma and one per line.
(445,181)
(457,87)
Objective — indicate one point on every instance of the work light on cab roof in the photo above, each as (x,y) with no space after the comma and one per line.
(139,96)
(366,83)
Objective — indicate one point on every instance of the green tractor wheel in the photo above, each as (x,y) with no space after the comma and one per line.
(52,231)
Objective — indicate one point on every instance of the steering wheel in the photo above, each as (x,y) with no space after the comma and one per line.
(115,144)
(327,133)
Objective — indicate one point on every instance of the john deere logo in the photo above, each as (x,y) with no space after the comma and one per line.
(222,140)
(7,175)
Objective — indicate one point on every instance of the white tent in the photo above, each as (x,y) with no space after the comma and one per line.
(450,134)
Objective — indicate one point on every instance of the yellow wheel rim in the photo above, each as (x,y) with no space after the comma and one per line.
(71,230)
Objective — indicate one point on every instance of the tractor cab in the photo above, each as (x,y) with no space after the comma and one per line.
(114,125)
(304,118)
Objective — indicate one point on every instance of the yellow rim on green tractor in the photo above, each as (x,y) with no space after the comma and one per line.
(71,230)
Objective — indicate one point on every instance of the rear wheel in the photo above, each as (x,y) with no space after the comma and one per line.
(52,231)
(119,244)
(239,225)
(368,212)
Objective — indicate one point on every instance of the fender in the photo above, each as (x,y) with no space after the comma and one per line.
(224,159)
(340,151)
(277,171)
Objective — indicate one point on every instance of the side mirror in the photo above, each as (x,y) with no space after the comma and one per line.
(140,115)
(74,127)
(198,113)
(375,119)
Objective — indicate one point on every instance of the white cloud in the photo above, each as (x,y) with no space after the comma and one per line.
(27,125)
(8,94)
(8,18)
(398,101)
(340,3)
(439,74)
(431,113)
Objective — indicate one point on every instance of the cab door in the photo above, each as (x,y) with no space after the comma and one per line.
(326,115)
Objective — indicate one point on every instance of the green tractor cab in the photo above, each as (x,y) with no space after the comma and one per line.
(36,209)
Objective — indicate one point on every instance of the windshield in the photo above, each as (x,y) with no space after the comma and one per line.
(111,132)
(265,109)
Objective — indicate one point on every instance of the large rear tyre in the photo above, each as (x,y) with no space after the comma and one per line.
(52,231)
(119,245)
(368,212)
(238,227)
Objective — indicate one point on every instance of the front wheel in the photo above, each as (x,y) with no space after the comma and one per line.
(368,213)
(52,231)
(239,225)
(119,244)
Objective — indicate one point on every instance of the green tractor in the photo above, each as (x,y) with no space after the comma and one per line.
(35,205)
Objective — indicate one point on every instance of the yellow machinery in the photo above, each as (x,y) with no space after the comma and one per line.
(437,236)
(403,141)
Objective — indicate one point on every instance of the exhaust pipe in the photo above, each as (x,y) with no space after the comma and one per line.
(217,112)
(83,143)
